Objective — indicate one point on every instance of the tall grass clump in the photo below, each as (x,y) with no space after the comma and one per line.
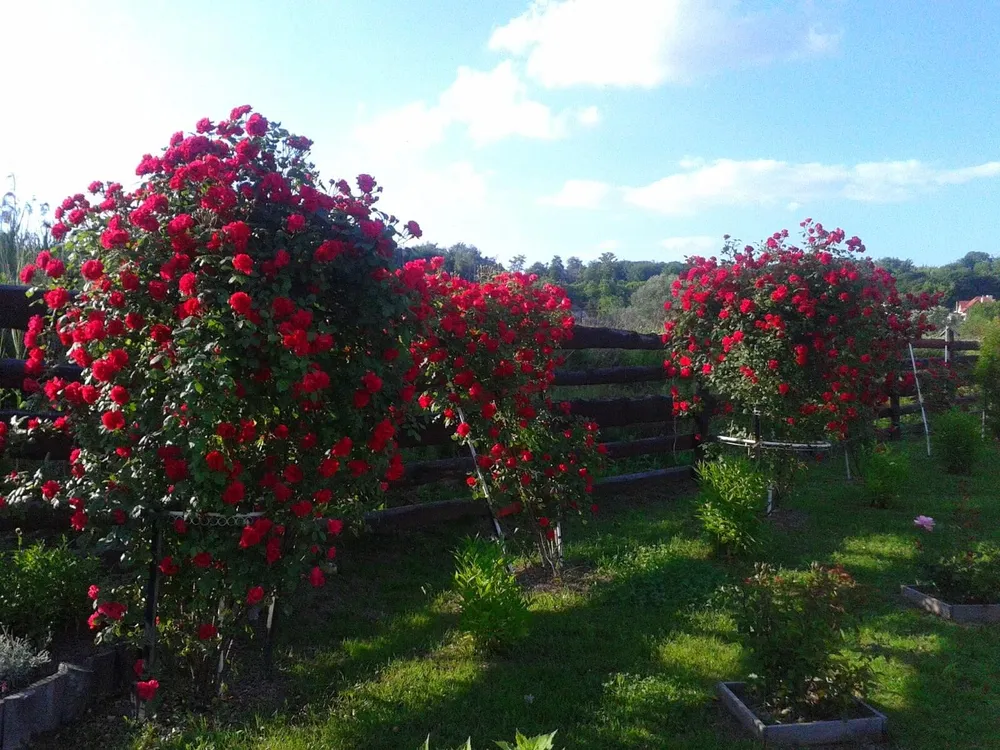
(957,441)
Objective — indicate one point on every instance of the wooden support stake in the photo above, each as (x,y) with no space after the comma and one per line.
(269,639)
(149,616)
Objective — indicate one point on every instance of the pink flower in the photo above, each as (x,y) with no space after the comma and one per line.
(924,522)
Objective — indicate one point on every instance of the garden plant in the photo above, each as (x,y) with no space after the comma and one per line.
(488,355)
(957,566)
(807,340)
(492,606)
(793,624)
(237,323)
(884,472)
(250,357)
(957,440)
(732,495)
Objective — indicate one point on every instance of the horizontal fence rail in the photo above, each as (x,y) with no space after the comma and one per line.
(16,308)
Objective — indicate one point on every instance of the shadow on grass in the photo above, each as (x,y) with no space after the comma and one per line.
(627,661)
(593,667)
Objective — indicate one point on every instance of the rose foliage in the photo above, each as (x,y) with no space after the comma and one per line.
(488,354)
(237,323)
(248,357)
(811,337)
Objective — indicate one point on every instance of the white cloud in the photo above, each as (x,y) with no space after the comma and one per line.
(495,105)
(679,248)
(413,127)
(609,245)
(644,43)
(490,105)
(589,116)
(578,194)
(766,182)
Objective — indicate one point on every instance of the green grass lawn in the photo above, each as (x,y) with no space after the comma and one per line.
(623,653)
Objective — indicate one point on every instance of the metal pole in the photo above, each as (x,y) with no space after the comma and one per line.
(482,481)
(758,444)
(920,398)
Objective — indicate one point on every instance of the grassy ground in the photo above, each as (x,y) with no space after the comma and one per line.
(623,653)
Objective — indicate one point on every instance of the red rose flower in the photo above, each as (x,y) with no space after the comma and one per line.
(316,577)
(92,269)
(241,303)
(243,263)
(146,691)
(255,595)
(113,420)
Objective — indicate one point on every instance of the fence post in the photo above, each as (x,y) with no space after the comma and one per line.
(949,339)
(895,430)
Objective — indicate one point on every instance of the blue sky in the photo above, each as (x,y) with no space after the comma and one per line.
(649,128)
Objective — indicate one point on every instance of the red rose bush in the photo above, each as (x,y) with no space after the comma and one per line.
(809,337)
(238,327)
(487,352)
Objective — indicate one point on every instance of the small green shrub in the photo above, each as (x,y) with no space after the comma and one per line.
(971,576)
(493,608)
(957,440)
(541,742)
(731,501)
(43,588)
(884,471)
(793,624)
(987,374)
(19,658)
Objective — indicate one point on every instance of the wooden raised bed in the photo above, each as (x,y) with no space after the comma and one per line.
(869,724)
(962,613)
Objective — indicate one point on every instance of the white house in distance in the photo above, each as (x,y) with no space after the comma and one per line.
(962,306)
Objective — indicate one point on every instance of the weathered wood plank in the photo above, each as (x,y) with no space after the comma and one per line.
(427,472)
(585,337)
(16,308)
(610,375)
(429,514)
(613,412)
(620,412)
(942,344)
(12,373)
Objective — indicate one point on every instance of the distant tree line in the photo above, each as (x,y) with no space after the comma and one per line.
(974,274)
(599,287)
(631,292)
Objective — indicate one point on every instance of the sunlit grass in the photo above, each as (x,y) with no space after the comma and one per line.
(624,653)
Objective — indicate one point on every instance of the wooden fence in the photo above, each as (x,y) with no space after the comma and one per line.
(653,411)
(677,435)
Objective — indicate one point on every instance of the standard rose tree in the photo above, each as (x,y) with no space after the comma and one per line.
(810,338)
(238,326)
(488,352)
